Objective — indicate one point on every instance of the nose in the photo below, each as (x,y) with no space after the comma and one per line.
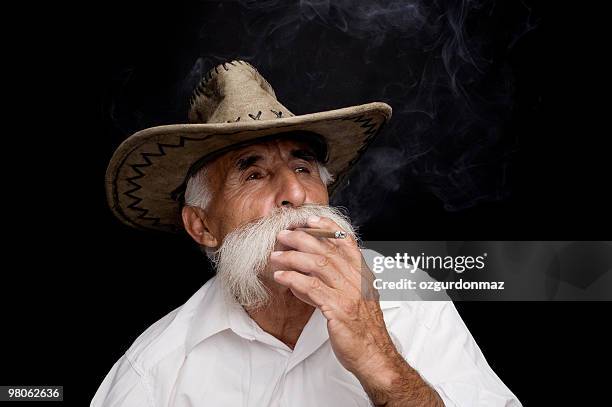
(290,191)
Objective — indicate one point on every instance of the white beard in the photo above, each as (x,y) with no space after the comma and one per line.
(243,257)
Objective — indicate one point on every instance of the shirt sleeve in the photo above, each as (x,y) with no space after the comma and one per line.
(123,386)
(444,352)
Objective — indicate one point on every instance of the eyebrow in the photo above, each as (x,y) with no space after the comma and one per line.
(245,162)
(304,154)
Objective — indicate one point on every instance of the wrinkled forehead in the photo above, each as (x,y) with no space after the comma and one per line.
(279,146)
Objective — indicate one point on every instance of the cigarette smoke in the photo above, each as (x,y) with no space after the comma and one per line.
(442,66)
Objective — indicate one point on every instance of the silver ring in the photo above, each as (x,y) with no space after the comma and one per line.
(340,234)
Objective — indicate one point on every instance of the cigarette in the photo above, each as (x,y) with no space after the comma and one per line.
(338,234)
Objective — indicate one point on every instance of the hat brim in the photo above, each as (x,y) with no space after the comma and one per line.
(149,166)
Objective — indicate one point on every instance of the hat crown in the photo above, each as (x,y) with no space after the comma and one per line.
(234,92)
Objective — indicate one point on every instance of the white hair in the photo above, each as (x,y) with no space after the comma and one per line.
(199,195)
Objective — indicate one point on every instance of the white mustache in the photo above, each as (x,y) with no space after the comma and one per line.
(245,252)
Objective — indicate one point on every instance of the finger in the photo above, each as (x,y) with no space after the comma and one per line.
(308,289)
(348,247)
(328,224)
(315,265)
(305,243)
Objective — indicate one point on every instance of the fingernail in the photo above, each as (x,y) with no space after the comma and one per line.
(275,254)
(284,232)
(313,219)
(278,273)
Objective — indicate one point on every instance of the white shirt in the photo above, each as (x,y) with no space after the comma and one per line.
(211,353)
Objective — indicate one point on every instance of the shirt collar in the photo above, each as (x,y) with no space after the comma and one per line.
(212,315)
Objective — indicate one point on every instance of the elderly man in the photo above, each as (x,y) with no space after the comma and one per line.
(290,319)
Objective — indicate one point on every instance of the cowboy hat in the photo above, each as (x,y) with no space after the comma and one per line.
(232,105)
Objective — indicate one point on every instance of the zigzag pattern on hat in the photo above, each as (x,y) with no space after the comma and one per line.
(370,132)
(155,221)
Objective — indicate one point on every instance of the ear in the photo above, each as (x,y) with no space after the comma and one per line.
(196,224)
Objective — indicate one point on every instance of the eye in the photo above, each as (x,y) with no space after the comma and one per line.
(303,169)
(254,175)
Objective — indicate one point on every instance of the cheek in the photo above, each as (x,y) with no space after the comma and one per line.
(317,193)
(245,206)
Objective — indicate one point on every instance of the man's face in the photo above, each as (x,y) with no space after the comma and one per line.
(256,192)
(249,183)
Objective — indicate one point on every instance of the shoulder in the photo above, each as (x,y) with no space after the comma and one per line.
(165,336)
(427,314)
(129,382)
(415,325)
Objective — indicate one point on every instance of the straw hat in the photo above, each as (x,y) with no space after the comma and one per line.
(232,106)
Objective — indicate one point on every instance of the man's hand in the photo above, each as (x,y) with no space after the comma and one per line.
(331,275)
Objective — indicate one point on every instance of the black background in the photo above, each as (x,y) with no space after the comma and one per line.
(78,287)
